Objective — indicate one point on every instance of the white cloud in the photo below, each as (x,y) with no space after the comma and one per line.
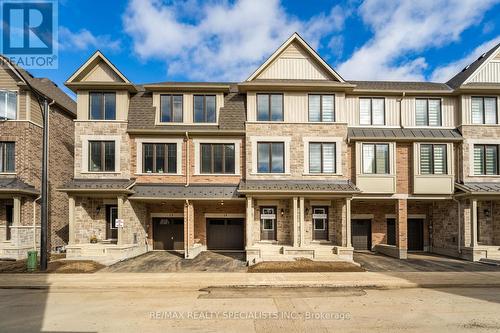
(218,41)
(404,28)
(84,40)
(446,72)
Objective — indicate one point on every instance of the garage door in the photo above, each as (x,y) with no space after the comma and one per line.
(168,233)
(225,234)
(415,234)
(361,234)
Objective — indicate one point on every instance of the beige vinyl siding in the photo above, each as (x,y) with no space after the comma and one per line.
(187,104)
(35,111)
(296,106)
(391,110)
(448,111)
(102,73)
(490,73)
(83,102)
(294,64)
(466,106)
(8,80)
(23,105)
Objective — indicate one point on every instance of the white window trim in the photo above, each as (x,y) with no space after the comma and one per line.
(85,152)
(237,156)
(338,153)
(138,149)
(471,144)
(18,102)
(285,139)
(449,158)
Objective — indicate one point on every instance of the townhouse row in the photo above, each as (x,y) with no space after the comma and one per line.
(293,162)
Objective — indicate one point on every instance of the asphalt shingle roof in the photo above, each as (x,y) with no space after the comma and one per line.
(14,184)
(401,86)
(355,133)
(343,186)
(196,191)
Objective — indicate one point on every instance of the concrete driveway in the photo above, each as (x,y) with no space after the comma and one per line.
(164,262)
(419,262)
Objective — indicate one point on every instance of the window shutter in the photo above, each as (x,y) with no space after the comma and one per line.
(314,108)
(478,160)
(477,110)
(368,158)
(382,158)
(378,111)
(490,110)
(440,159)
(491,157)
(329,157)
(434,112)
(364,111)
(421,112)
(314,157)
(328,108)
(425,159)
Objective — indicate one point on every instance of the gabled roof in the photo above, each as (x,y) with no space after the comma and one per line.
(296,38)
(470,70)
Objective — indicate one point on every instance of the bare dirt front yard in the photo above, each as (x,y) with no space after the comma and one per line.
(304,265)
(56,265)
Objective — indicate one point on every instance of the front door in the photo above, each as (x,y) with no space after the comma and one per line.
(361,234)
(111,216)
(320,223)
(225,234)
(268,223)
(415,234)
(168,233)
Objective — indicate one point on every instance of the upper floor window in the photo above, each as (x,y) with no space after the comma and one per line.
(371,111)
(484,110)
(171,109)
(321,157)
(428,112)
(376,158)
(8,105)
(7,157)
(270,157)
(102,156)
(321,108)
(159,158)
(204,109)
(486,160)
(217,158)
(102,106)
(269,107)
(433,159)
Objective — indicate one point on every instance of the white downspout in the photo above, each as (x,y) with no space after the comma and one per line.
(187,159)
(34,222)
(459,238)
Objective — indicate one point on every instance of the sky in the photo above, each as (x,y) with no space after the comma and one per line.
(193,40)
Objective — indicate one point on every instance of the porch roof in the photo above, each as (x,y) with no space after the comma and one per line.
(479,187)
(15,185)
(404,134)
(99,185)
(298,186)
(181,192)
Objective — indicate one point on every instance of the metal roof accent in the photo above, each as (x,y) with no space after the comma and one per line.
(318,186)
(16,185)
(91,185)
(181,192)
(401,134)
(479,187)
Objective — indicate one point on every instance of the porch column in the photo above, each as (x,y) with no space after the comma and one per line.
(402,228)
(473,219)
(120,230)
(249,222)
(188,228)
(348,222)
(295,213)
(71,222)
(301,221)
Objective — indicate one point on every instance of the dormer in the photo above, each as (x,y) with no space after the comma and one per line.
(102,90)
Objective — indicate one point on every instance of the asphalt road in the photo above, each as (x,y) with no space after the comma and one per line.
(251,310)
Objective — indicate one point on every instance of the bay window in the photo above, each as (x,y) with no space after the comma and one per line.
(322,157)
(376,158)
(428,112)
(484,110)
(321,108)
(433,159)
(270,157)
(371,111)
(159,158)
(486,159)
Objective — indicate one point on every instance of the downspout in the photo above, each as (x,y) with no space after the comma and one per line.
(459,237)
(34,222)
(186,250)
(187,159)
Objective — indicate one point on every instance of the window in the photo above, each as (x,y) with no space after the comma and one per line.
(268,217)
(217,158)
(486,159)
(159,158)
(269,107)
(102,106)
(376,158)
(204,109)
(7,157)
(8,105)
(321,108)
(371,111)
(171,108)
(321,157)
(270,157)
(433,159)
(111,216)
(484,110)
(101,156)
(428,112)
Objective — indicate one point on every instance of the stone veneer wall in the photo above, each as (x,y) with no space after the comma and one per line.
(88,221)
(336,221)
(135,215)
(284,223)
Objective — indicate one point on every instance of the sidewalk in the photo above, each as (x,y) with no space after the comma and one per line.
(181,281)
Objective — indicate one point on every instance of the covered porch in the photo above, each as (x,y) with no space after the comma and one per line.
(289,220)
